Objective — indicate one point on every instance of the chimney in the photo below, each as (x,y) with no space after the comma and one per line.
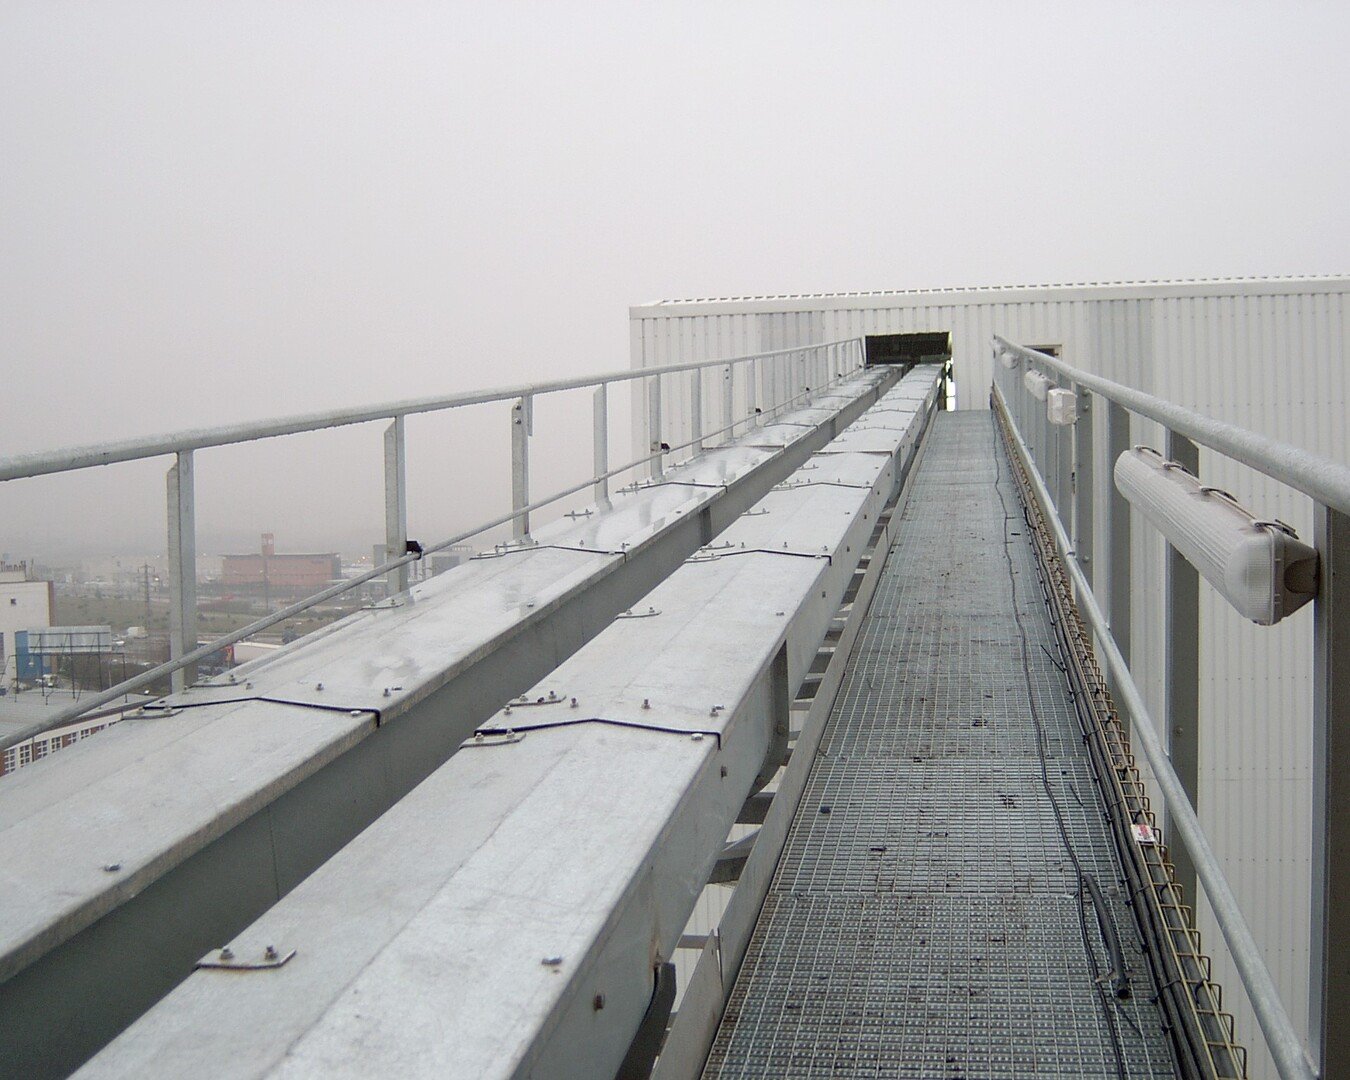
(269,545)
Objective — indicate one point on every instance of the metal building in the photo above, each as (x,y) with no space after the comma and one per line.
(1269,354)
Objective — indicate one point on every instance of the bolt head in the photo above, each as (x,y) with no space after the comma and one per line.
(227,953)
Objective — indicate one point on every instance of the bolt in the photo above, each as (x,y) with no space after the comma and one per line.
(598,1002)
(574,703)
(507,710)
(551,961)
(356,712)
(318,686)
(697,736)
(646,703)
(227,953)
(724,772)
(248,686)
(270,953)
(113,867)
(651,611)
(388,692)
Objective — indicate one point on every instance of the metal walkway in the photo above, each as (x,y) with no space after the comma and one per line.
(925,919)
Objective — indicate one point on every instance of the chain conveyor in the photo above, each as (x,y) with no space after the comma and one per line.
(932,914)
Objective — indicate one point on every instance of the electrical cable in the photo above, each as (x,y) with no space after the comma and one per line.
(1108,1014)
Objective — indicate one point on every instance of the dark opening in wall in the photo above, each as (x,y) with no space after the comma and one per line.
(934,346)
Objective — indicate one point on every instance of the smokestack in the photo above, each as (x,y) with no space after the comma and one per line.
(269,545)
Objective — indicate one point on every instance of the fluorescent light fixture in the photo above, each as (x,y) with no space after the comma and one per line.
(1037,384)
(1062,407)
(1260,567)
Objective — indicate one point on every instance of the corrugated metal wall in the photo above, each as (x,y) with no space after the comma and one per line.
(1271,356)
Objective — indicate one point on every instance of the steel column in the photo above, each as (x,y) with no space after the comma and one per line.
(1083,479)
(1117,533)
(522,425)
(182,566)
(1181,665)
(395,503)
(1329,1000)
(600,447)
(656,470)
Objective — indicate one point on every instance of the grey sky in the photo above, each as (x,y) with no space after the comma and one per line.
(211,212)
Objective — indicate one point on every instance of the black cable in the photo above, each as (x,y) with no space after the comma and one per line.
(1108,1014)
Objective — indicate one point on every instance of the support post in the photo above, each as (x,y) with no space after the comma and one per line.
(1063,471)
(1117,532)
(182,567)
(1329,1001)
(395,504)
(1083,479)
(600,446)
(522,425)
(1181,666)
(751,396)
(657,464)
(696,409)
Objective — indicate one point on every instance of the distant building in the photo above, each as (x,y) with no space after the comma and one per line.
(25,604)
(272,574)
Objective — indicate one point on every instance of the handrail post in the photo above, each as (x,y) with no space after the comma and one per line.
(654,427)
(1181,665)
(600,445)
(1083,466)
(395,503)
(1329,998)
(522,426)
(1117,584)
(181,484)
(696,409)
(1063,467)
(751,395)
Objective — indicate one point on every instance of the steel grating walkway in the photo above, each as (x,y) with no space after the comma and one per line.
(925,919)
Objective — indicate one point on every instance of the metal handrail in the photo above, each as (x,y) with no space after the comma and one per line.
(22,466)
(74,711)
(1320,478)
(1282,1038)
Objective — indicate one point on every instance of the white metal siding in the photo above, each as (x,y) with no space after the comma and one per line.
(1269,355)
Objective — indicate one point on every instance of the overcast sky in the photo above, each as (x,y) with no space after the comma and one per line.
(211,212)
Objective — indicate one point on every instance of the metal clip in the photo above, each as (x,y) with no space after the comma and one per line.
(496,738)
(631,614)
(227,960)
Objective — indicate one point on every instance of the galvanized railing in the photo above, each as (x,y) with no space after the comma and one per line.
(763,384)
(1063,473)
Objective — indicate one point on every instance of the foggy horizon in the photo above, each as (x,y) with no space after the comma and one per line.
(216,214)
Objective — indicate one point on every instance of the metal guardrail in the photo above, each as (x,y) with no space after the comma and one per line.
(1062,461)
(768,382)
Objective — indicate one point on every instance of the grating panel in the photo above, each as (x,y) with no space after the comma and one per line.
(925,917)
